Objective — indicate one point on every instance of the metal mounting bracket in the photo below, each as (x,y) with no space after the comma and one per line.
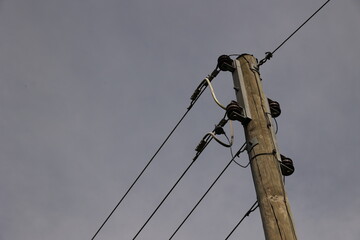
(240,90)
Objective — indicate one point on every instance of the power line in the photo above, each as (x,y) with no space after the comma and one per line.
(209,137)
(237,155)
(137,178)
(253,208)
(300,27)
(173,187)
(198,92)
(270,54)
(207,191)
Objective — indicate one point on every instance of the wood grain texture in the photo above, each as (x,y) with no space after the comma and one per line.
(273,202)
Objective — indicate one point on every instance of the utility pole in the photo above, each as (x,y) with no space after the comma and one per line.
(264,155)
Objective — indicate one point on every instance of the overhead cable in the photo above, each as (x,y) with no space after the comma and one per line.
(211,135)
(207,191)
(252,208)
(195,96)
(201,147)
(202,86)
(162,201)
(270,54)
(231,140)
(237,155)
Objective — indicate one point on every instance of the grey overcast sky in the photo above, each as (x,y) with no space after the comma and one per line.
(90,89)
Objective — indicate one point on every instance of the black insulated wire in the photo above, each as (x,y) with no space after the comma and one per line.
(207,138)
(243,148)
(252,209)
(201,88)
(269,55)
(162,201)
(138,177)
(208,190)
(276,125)
(196,95)
(202,145)
(196,205)
(273,153)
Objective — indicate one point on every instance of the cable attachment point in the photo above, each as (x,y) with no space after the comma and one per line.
(235,112)
(274,108)
(286,166)
(268,56)
(202,86)
(225,63)
(218,130)
(200,147)
(195,94)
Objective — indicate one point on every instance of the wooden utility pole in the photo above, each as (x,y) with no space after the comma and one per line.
(263,152)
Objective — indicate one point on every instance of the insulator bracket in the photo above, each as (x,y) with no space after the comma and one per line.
(275,109)
(225,63)
(286,166)
(241,93)
(236,113)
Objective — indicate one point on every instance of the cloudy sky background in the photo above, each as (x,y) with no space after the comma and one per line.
(90,89)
